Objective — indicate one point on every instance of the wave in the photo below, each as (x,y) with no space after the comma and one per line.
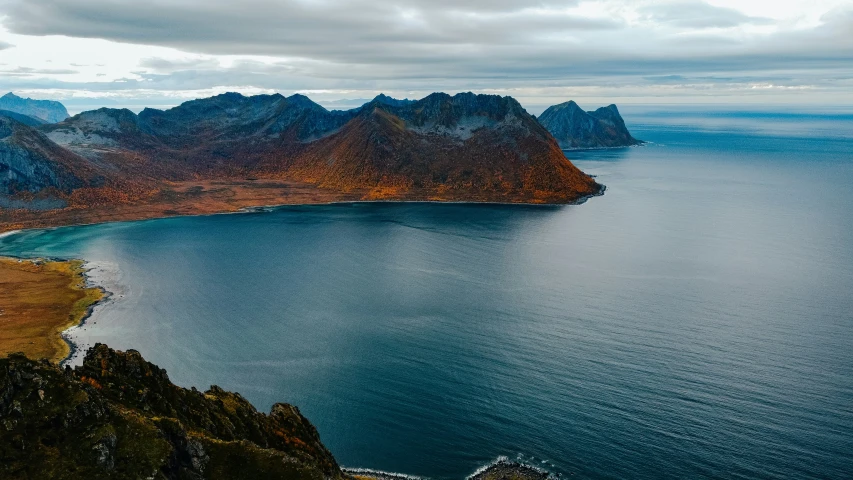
(98,274)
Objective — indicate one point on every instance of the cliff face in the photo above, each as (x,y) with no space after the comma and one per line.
(575,128)
(119,417)
(46,110)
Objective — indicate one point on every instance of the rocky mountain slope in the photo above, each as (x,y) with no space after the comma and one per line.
(575,128)
(46,110)
(119,417)
(25,119)
(467,146)
(30,162)
(464,147)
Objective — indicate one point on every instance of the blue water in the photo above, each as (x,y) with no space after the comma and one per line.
(694,322)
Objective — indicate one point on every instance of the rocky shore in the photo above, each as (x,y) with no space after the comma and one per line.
(118,416)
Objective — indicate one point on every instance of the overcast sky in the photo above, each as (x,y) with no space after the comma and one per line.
(161,52)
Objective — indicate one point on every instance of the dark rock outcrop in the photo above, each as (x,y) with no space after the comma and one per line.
(120,417)
(47,110)
(505,469)
(575,128)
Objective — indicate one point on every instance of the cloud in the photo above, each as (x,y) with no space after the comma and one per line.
(354,46)
(27,71)
(338,30)
(697,14)
(171,65)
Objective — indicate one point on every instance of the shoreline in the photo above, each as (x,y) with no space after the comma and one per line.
(642,143)
(67,337)
(264,208)
(501,468)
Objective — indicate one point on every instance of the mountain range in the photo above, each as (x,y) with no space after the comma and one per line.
(464,147)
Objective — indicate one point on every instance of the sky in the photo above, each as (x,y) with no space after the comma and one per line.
(91,53)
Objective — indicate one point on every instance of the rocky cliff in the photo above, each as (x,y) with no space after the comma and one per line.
(30,162)
(575,128)
(46,110)
(119,417)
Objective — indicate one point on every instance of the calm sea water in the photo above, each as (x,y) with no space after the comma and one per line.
(696,321)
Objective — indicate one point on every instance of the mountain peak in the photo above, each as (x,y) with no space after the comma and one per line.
(386,100)
(304,102)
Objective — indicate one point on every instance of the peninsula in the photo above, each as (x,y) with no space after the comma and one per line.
(230,151)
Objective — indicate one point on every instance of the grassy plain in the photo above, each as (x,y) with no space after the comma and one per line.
(38,301)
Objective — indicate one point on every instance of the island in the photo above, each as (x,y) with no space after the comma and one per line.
(573,128)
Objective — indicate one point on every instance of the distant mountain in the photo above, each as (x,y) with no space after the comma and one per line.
(385,99)
(48,110)
(464,147)
(575,128)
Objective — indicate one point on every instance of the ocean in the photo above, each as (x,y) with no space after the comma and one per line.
(696,321)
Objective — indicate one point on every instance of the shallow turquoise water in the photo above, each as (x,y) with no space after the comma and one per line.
(696,321)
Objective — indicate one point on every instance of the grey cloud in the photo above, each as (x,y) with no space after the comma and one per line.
(339,30)
(421,45)
(698,14)
(37,71)
(164,65)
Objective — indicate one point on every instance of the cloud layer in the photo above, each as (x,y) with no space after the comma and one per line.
(655,50)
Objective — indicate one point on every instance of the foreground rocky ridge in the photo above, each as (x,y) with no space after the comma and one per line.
(464,147)
(118,416)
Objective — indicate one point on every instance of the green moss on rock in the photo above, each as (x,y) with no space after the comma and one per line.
(118,416)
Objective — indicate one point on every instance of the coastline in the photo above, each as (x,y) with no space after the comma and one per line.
(642,143)
(262,208)
(74,350)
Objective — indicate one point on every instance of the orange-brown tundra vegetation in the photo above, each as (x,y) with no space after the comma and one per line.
(38,301)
